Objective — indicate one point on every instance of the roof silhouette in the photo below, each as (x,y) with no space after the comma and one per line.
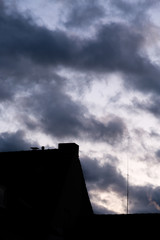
(43,196)
(42,192)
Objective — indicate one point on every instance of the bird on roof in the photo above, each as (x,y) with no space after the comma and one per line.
(34,148)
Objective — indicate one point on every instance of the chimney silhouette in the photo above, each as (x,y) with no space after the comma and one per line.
(69,149)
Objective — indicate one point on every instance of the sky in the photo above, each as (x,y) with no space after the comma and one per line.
(88,72)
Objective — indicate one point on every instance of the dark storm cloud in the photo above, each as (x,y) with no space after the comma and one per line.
(103,177)
(20,37)
(115,48)
(14,141)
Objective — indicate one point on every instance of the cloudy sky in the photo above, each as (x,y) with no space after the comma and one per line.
(87,71)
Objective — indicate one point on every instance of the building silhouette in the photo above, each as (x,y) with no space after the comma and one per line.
(42,193)
(43,196)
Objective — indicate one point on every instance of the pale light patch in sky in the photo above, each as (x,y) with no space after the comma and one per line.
(97,96)
(42,140)
(8,120)
(110,201)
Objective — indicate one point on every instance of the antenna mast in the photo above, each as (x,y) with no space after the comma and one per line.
(127,186)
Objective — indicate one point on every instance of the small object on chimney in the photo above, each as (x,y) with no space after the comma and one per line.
(34,148)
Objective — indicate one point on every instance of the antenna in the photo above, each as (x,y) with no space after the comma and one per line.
(127,186)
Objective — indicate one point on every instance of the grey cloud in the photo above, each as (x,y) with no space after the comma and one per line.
(105,177)
(144,199)
(124,6)
(110,50)
(22,38)
(6,93)
(83,14)
(55,112)
(134,9)
(111,132)
(154,134)
(154,198)
(151,105)
(115,48)
(28,52)
(157,154)
(14,141)
(138,199)
(59,116)
(2,6)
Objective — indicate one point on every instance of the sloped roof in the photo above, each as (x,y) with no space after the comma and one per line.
(35,177)
(35,180)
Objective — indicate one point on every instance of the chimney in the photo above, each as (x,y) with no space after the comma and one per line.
(69,149)
(42,148)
